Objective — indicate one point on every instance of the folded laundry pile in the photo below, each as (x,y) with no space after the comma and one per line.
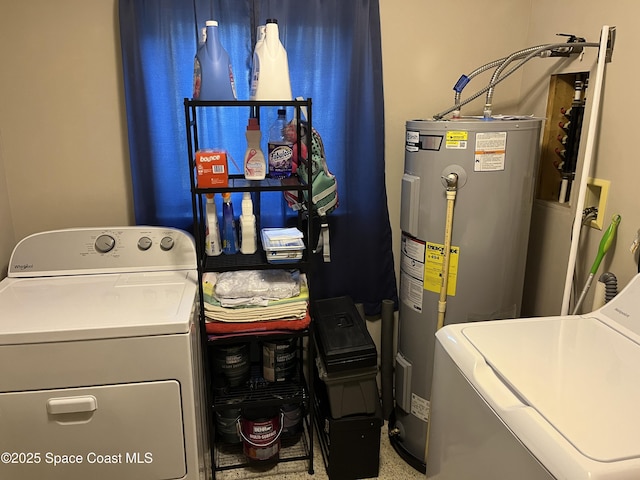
(255,295)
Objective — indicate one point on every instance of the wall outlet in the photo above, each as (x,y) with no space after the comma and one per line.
(596,196)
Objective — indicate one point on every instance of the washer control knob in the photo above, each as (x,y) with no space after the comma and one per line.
(105,243)
(144,243)
(166,243)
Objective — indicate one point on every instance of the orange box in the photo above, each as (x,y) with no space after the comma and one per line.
(212,168)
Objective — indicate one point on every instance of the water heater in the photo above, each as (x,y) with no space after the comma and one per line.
(494,163)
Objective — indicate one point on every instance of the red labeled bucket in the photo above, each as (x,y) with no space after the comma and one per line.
(260,429)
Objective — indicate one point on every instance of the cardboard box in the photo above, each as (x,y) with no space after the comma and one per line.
(212,169)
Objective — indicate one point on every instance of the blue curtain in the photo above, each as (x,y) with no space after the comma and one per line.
(334,52)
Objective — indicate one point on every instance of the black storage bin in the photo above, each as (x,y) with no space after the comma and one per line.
(350,445)
(352,392)
(343,340)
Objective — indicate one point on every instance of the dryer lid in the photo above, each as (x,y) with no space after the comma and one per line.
(578,373)
(84,307)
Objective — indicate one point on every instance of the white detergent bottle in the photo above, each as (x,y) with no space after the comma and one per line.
(212,234)
(255,165)
(270,70)
(248,241)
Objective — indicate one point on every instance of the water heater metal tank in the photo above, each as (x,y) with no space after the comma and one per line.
(495,163)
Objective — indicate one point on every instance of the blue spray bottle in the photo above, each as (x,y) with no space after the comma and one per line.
(229,232)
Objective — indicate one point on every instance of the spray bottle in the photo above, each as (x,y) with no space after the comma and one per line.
(248,242)
(255,166)
(212,237)
(229,233)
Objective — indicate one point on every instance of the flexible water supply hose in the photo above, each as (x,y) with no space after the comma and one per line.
(465,79)
(536,52)
(605,243)
(606,289)
(610,286)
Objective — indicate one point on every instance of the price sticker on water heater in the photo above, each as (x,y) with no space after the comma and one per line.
(491,148)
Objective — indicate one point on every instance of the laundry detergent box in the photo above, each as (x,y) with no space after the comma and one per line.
(212,168)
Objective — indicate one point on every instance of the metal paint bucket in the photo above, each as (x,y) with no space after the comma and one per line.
(232,363)
(260,429)
(227,424)
(291,420)
(279,360)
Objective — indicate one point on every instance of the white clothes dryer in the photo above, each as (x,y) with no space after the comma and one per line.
(100,364)
(539,398)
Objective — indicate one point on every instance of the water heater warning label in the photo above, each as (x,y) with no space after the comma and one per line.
(490,151)
(457,139)
(420,407)
(434,261)
(412,272)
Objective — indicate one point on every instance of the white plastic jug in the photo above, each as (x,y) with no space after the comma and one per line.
(270,70)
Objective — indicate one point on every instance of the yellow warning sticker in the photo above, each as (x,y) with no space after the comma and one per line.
(434,261)
(457,139)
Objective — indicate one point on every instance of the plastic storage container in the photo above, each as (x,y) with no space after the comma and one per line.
(353,392)
(350,445)
(344,343)
(282,245)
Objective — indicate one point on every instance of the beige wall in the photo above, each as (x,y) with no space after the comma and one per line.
(62,122)
(615,159)
(63,144)
(7,237)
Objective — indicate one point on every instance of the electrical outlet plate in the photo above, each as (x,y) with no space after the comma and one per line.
(596,196)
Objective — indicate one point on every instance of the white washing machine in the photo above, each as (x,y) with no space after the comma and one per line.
(539,398)
(100,363)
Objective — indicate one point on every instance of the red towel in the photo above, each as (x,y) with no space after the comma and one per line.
(215,328)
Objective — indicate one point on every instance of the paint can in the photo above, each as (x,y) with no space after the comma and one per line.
(232,363)
(291,420)
(260,429)
(279,360)
(227,423)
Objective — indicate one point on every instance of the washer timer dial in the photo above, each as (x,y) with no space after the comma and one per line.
(144,243)
(166,243)
(105,243)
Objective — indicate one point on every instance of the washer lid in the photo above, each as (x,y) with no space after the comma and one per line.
(83,307)
(578,373)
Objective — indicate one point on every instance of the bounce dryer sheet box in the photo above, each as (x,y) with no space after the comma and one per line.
(212,168)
